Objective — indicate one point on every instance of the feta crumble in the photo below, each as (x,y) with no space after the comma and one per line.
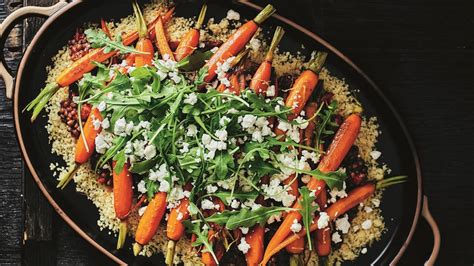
(243,246)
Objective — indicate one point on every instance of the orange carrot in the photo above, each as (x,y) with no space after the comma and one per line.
(123,194)
(85,64)
(190,41)
(103,26)
(304,85)
(354,198)
(144,44)
(175,228)
(162,41)
(296,247)
(261,78)
(308,133)
(255,239)
(150,221)
(338,149)
(323,236)
(85,145)
(236,42)
(206,257)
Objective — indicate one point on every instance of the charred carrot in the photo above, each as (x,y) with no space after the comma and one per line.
(338,149)
(255,239)
(296,247)
(233,78)
(236,42)
(162,41)
(323,236)
(354,198)
(310,110)
(123,194)
(143,44)
(150,221)
(304,85)
(84,147)
(261,78)
(206,257)
(190,41)
(81,66)
(175,228)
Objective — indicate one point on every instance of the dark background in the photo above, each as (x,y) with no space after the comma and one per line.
(420,53)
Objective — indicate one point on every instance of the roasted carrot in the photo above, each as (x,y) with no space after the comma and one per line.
(233,76)
(175,228)
(304,85)
(190,41)
(323,236)
(123,194)
(84,147)
(296,247)
(261,78)
(310,110)
(354,198)
(143,44)
(150,221)
(81,66)
(236,42)
(206,257)
(338,149)
(255,239)
(162,41)
(103,26)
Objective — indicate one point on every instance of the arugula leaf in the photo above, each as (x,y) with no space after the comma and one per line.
(223,161)
(201,235)
(322,127)
(194,61)
(99,39)
(143,166)
(307,211)
(333,179)
(151,188)
(245,217)
(119,159)
(242,196)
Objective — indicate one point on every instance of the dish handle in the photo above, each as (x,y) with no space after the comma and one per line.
(434,227)
(5,28)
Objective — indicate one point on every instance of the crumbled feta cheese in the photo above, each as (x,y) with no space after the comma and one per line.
(363,251)
(221,134)
(142,210)
(271,91)
(375,154)
(234,204)
(102,106)
(274,218)
(180,216)
(120,126)
(208,205)
(206,139)
(323,220)
(243,246)
(232,15)
(367,209)
(343,224)
(248,121)
(367,224)
(244,230)
(336,238)
(295,226)
(101,144)
(255,44)
(96,123)
(211,189)
(192,130)
(335,193)
(376,202)
(105,123)
(224,121)
(150,152)
(141,186)
(191,99)
(185,148)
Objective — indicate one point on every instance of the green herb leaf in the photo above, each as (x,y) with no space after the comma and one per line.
(307,211)
(245,217)
(144,166)
(223,161)
(194,61)
(99,39)
(225,196)
(119,159)
(195,227)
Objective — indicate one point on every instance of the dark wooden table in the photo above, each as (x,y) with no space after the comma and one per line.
(420,52)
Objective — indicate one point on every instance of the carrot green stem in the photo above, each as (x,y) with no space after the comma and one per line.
(391,181)
(170,252)
(141,24)
(277,36)
(122,234)
(264,14)
(317,62)
(66,178)
(136,248)
(240,57)
(201,17)
(41,100)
